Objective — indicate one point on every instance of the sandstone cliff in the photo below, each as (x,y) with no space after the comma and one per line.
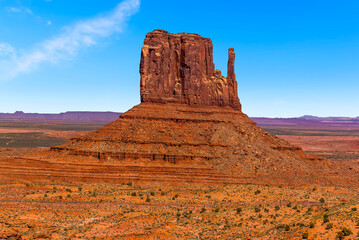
(179,68)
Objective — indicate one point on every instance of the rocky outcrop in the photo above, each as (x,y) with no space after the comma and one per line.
(199,136)
(179,68)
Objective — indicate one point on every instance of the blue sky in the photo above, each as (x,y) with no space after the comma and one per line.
(292,57)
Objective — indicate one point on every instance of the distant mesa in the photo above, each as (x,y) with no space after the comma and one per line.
(66,116)
(188,129)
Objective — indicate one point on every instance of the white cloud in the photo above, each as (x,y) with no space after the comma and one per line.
(20,10)
(80,35)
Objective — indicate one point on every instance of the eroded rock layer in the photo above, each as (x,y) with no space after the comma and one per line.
(175,144)
(179,68)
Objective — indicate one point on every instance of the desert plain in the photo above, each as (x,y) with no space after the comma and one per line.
(73,210)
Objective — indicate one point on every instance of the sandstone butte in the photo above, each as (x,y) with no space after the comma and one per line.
(188,129)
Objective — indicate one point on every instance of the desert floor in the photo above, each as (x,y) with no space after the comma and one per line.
(41,210)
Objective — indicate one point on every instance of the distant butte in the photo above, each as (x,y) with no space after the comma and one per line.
(188,129)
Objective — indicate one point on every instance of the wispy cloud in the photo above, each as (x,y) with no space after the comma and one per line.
(19,10)
(80,35)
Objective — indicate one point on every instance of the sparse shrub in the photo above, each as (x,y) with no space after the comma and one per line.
(152,193)
(80,189)
(289,204)
(295,207)
(277,208)
(325,218)
(260,216)
(257,209)
(68,190)
(301,224)
(45,195)
(340,236)
(322,200)
(129,184)
(134,194)
(286,228)
(203,210)
(148,199)
(162,193)
(257,192)
(27,184)
(346,231)
(354,209)
(178,214)
(311,225)
(305,235)
(239,210)
(68,195)
(329,226)
(60,197)
(309,209)
(266,210)
(216,210)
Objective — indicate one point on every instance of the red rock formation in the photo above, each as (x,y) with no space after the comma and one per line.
(178,68)
(198,136)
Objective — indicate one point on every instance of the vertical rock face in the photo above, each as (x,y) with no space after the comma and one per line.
(179,68)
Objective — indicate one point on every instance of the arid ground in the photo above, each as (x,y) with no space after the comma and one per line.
(31,210)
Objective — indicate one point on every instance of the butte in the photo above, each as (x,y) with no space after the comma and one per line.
(188,129)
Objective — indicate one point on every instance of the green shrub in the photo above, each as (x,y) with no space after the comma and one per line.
(311,225)
(134,194)
(305,235)
(257,192)
(289,204)
(286,228)
(325,218)
(346,231)
(239,210)
(354,209)
(322,200)
(257,209)
(329,226)
(216,210)
(277,208)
